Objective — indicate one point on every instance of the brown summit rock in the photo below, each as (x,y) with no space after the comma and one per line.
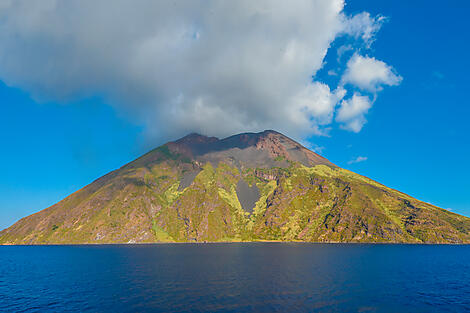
(249,149)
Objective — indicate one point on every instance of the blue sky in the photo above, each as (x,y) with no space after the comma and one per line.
(415,138)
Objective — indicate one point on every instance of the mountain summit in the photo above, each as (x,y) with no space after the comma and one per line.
(247,187)
(263,149)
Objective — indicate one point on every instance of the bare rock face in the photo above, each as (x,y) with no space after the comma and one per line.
(265,149)
(247,195)
(247,187)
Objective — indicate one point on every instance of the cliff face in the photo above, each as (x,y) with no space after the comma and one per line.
(246,187)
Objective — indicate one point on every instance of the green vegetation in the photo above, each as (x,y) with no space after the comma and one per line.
(160,234)
(141,202)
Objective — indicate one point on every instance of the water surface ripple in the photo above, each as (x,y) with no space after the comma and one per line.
(238,277)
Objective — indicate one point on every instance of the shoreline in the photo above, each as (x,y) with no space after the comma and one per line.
(240,242)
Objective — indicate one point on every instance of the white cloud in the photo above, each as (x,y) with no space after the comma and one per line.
(315,102)
(215,67)
(358,160)
(352,112)
(342,50)
(312,146)
(364,26)
(332,73)
(369,73)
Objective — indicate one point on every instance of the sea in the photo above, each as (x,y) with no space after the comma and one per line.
(235,277)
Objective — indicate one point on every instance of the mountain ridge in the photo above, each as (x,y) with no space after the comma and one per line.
(245,187)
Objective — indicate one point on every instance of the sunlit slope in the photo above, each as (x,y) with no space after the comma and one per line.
(172,195)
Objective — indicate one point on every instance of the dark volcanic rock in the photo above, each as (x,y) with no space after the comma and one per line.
(247,196)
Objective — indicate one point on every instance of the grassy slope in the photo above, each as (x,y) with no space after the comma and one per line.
(141,203)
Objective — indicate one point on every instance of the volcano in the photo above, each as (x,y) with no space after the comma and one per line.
(247,187)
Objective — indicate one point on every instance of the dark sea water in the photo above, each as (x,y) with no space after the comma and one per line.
(245,277)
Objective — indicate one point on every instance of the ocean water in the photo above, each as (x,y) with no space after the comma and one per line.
(238,277)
